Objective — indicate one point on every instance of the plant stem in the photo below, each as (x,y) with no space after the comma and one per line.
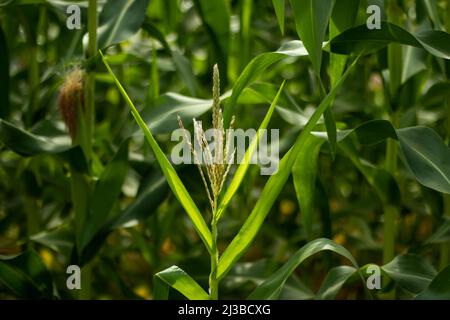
(390,212)
(90,81)
(80,192)
(395,64)
(445,248)
(80,182)
(213,281)
(154,91)
(33,79)
(395,72)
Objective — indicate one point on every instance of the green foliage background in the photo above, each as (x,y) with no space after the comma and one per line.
(364,119)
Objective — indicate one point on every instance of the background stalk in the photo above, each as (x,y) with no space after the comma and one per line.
(395,64)
(81,186)
(395,71)
(445,248)
(154,85)
(90,81)
(33,80)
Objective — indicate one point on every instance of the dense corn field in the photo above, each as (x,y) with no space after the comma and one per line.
(226,149)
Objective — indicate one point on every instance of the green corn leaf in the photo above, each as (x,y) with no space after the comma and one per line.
(370,132)
(60,239)
(216,18)
(26,276)
(334,281)
(256,272)
(439,288)
(243,167)
(361,39)
(425,153)
(182,64)
(441,235)
(411,272)
(271,287)
(179,280)
(343,17)
(255,68)
(27,144)
(437,93)
(304,173)
(433,13)
(311,20)
(427,156)
(379,179)
(169,172)
(119,20)
(162,117)
(272,189)
(107,188)
(145,203)
(280,6)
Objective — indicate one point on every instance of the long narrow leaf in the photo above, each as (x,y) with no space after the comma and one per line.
(304,173)
(243,167)
(361,39)
(180,281)
(279,6)
(311,20)
(272,189)
(256,67)
(271,288)
(171,175)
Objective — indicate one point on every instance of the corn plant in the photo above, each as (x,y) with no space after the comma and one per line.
(359,90)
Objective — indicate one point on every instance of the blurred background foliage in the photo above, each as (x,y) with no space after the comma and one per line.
(163,52)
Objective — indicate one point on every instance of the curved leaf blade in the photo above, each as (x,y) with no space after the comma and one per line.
(439,288)
(361,39)
(273,188)
(280,7)
(171,175)
(427,156)
(311,20)
(26,275)
(243,167)
(304,173)
(271,288)
(107,188)
(27,144)
(334,281)
(216,18)
(411,272)
(119,20)
(180,281)
(255,68)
